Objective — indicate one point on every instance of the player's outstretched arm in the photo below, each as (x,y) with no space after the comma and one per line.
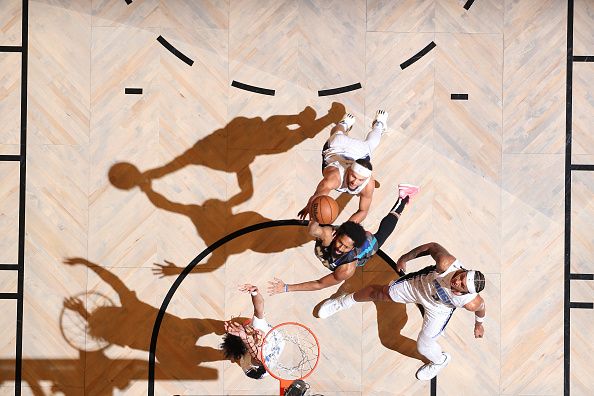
(330,181)
(478,307)
(365,198)
(442,257)
(257,299)
(107,276)
(324,233)
(315,229)
(344,272)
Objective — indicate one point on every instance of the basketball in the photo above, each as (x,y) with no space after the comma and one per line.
(324,209)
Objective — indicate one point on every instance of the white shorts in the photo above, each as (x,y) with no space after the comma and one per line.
(434,320)
(347,147)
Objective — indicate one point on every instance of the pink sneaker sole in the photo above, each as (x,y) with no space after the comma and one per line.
(407,190)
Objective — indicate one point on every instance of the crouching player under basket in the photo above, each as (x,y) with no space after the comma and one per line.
(242,343)
(440,289)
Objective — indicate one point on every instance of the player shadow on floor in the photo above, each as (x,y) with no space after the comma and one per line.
(214,218)
(207,220)
(247,137)
(391,316)
(130,325)
(92,373)
(270,240)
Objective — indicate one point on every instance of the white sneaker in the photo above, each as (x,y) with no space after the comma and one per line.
(381,116)
(430,370)
(333,305)
(348,120)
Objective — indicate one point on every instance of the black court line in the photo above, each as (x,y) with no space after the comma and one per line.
(581,305)
(587,58)
(11,48)
(582,167)
(253,88)
(418,55)
(10,157)
(339,90)
(567,231)
(459,96)
(22,190)
(186,271)
(582,276)
(468,4)
(8,267)
(190,267)
(175,51)
(9,296)
(133,91)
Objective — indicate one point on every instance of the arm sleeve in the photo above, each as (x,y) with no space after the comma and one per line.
(261,324)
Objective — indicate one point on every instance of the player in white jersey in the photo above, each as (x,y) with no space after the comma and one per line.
(242,342)
(346,164)
(440,289)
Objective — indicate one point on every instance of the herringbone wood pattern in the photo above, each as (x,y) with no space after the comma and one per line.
(123,191)
(583,36)
(582,213)
(10,22)
(9,207)
(10,98)
(534,79)
(583,110)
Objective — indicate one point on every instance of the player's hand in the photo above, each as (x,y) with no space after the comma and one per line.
(75,304)
(166,269)
(75,260)
(303,213)
(401,264)
(234,328)
(479,330)
(276,286)
(248,288)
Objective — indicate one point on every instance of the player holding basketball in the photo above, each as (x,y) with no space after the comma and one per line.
(346,165)
(347,247)
(440,289)
(242,343)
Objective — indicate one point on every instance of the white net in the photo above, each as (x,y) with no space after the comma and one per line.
(290,351)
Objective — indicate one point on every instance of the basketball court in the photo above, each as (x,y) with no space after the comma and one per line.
(227,104)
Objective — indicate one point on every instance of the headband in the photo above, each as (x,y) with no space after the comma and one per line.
(360,170)
(470,281)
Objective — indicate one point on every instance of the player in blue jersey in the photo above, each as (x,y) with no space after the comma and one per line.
(343,249)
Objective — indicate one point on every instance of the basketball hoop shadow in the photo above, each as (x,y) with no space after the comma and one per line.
(91,322)
(73,320)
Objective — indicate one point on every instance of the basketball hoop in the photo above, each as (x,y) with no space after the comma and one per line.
(290,351)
